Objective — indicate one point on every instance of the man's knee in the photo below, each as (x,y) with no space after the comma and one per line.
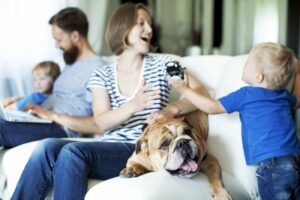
(47,148)
(47,144)
(73,150)
(2,124)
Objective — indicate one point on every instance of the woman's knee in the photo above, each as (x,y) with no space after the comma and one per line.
(71,157)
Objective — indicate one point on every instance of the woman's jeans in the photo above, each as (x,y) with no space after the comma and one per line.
(67,165)
(279,178)
(15,133)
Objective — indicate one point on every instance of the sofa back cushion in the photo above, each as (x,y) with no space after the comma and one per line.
(207,69)
(225,130)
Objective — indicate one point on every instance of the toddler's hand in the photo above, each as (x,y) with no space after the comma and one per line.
(178,84)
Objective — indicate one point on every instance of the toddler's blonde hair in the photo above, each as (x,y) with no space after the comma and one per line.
(49,67)
(276,62)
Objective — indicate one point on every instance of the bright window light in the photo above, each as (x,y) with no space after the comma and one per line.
(266,22)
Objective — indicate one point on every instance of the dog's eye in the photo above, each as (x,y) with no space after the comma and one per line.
(165,144)
(187,132)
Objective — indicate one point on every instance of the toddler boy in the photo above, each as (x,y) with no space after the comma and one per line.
(268,129)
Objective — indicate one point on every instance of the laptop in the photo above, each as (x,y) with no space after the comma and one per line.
(19,116)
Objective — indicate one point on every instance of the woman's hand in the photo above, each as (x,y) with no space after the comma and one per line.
(144,97)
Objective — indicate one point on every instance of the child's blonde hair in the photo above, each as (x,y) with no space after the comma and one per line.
(276,62)
(50,68)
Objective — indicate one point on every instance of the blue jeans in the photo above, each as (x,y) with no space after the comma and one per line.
(67,166)
(15,133)
(279,178)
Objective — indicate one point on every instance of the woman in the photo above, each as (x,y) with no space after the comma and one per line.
(124,94)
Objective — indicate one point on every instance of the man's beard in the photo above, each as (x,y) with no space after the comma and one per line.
(71,55)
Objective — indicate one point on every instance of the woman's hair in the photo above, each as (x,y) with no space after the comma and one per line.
(276,62)
(120,24)
(71,19)
(50,68)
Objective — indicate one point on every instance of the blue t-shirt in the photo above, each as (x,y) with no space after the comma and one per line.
(268,128)
(37,98)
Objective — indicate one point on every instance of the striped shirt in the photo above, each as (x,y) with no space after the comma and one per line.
(153,71)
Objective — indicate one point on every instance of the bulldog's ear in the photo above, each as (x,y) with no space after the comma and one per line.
(144,126)
(141,145)
(185,120)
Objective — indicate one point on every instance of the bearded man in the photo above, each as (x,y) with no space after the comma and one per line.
(69,106)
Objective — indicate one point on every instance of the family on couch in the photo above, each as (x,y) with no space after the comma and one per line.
(120,105)
(116,101)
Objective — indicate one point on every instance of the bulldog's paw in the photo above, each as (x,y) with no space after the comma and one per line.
(133,171)
(222,195)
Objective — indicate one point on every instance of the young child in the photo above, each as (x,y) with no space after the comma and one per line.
(268,129)
(44,75)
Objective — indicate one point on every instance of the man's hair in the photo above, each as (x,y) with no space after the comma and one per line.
(71,19)
(50,68)
(276,62)
(120,24)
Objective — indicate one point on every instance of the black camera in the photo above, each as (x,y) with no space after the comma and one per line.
(174,69)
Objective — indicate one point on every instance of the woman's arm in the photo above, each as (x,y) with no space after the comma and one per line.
(107,118)
(104,116)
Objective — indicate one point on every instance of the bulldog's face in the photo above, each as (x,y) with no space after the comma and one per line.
(171,146)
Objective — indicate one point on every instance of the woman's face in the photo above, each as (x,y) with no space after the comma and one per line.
(140,35)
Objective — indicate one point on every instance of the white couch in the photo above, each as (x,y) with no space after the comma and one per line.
(221,75)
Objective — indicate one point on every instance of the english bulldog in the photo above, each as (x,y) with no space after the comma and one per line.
(177,146)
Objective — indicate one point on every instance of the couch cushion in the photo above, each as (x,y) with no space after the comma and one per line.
(15,159)
(159,185)
(207,69)
(232,76)
(225,131)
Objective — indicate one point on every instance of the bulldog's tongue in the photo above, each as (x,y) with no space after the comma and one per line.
(189,165)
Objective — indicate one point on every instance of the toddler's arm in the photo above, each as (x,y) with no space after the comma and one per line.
(10,103)
(204,103)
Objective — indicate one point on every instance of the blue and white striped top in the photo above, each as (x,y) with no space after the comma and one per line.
(154,72)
